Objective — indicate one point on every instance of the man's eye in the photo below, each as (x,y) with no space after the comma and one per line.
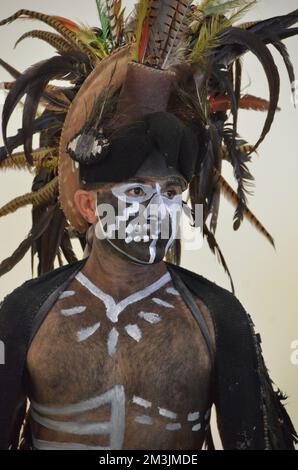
(137,191)
(171,193)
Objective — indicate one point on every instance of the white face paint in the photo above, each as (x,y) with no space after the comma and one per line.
(142,226)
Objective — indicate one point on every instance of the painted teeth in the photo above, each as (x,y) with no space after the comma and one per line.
(137,238)
(129,229)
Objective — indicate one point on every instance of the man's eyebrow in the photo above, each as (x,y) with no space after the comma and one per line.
(175,182)
(172,181)
(137,179)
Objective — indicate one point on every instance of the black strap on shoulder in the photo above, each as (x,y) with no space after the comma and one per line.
(48,303)
(190,302)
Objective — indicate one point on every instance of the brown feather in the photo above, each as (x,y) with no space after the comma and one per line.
(167,26)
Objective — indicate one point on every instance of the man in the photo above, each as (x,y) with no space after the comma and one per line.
(131,349)
(123,350)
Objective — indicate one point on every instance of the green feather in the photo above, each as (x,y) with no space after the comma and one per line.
(104,23)
(218,7)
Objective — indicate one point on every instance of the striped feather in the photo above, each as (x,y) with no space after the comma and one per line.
(167,27)
(35,198)
(115,14)
(18,160)
(61,25)
(231,196)
(53,39)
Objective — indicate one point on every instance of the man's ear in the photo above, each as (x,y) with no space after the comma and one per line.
(85,203)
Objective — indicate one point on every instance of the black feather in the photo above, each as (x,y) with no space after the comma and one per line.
(50,122)
(66,248)
(214,247)
(242,175)
(270,24)
(34,79)
(10,69)
(50,242)
(282,49)
(237,36)
(36,231)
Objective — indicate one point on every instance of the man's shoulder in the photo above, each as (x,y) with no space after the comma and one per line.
(29,293)
(224,306)
(201,284)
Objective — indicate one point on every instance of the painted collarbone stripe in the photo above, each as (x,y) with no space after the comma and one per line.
(113,309)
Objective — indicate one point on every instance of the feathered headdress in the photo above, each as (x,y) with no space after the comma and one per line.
(117,69)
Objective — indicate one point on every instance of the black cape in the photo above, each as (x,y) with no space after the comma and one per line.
(250,414)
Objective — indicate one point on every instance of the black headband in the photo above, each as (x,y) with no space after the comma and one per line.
(119,156)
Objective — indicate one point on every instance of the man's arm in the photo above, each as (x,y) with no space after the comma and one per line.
(13,327)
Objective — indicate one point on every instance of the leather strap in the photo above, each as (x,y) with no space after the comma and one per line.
(190,302)
(48,303)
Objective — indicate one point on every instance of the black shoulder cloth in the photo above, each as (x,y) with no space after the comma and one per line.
(250,413)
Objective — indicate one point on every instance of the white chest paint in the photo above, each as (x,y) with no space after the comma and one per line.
(114,427)
(114,309)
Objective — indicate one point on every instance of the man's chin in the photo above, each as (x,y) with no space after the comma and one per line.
(140,251)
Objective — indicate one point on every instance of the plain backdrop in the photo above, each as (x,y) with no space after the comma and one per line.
(265,280)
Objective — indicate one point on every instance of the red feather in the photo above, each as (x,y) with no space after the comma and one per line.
(71,25)
(144,39)
(223,103)
(253,102)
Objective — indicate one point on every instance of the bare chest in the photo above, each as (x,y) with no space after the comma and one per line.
(141,361)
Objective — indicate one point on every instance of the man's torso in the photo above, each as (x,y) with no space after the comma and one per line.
(133,374)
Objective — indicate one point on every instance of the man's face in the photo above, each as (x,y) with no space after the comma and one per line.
(140,217)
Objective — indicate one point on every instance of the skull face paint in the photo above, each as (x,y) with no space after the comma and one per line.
(140,220)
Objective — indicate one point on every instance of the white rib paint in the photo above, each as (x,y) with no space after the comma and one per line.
(162,303)
(79,407)
(172,291)
(193,416)
(39,444)
(144,419)
(72,427)
(84,333)
(133,331)
(66,294)
(68,312)
(173,426)
(112,341)
(150,317)
(114,309)
(141,402)
(167,413)
(115,427)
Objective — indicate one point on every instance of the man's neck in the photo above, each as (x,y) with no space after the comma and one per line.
(117,275)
